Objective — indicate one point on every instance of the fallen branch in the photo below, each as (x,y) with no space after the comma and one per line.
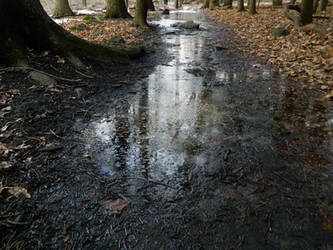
(39,71)
(150,180)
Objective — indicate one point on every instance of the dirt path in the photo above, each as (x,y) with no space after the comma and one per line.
(192,147)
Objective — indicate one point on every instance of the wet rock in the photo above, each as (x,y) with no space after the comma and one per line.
(42,78)
(166,12)
(186,25)
(280,32)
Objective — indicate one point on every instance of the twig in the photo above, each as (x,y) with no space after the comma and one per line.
(42,72)
(91,77)
(150,180)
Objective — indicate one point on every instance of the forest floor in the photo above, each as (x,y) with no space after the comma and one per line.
(52,195)
(303,56)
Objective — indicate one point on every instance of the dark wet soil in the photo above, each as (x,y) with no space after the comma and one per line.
(210,147)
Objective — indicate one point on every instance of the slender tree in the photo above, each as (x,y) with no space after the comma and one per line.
(315,6)
(116,9)
(227,4)
(140,17)
(213,4)
(151,5)
(252,7)
(62,8)
(322,5)
(31,27)
(306,12)
(277,3)
(240,6)
(84,3)
(205,4)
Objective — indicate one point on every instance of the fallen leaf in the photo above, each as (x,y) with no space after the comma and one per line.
(114,206)
(17,191)
(5,164)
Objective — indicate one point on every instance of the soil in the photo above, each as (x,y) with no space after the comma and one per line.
(241,201)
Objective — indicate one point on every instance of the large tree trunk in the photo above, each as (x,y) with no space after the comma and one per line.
(252,7)
(31,27)
(62,9)
(140,18)
(116,9)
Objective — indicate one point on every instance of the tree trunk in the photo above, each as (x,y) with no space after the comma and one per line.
(277,3)
(140,18)
(62,9)
(227,4)
(240,6)
(32,28)
(315,6)
(252,7)
(176,4)
(84,3)
(205,4)
(151,5)
(306,11)
(323,5)
(116,9)
(213,4)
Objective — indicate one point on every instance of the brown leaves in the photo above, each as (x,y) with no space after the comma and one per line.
(104,30)
(114,206)
(304,56)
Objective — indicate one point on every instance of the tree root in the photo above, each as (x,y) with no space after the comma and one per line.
(298,23)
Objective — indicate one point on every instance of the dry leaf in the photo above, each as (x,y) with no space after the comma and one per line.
(5,164)
(17,191)
(114,206)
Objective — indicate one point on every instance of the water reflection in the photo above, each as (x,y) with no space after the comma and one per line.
(189,114)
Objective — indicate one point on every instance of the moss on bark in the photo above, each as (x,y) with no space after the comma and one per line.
(32,28)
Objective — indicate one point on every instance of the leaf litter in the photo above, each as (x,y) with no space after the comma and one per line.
(305,56)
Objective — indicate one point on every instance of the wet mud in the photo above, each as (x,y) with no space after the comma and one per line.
(207,148)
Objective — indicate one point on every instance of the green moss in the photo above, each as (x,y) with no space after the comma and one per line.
(79,26)
(88,18)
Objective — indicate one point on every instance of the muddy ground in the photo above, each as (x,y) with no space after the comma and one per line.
(248,194)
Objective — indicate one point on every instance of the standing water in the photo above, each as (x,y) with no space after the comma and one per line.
(220,132)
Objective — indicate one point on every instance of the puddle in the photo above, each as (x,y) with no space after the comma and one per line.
(198,111)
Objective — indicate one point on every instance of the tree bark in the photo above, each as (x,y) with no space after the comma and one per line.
(140,18)
(151,5)
(62,9)
(213,4)
(315,6)
(277,3)
(116,9)
(227,4)
(205,4)
(240,6)
(252,7)
(32,28)
(306,11)
(323,5)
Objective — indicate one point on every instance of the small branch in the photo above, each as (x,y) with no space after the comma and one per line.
(150,180)
(42,72)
